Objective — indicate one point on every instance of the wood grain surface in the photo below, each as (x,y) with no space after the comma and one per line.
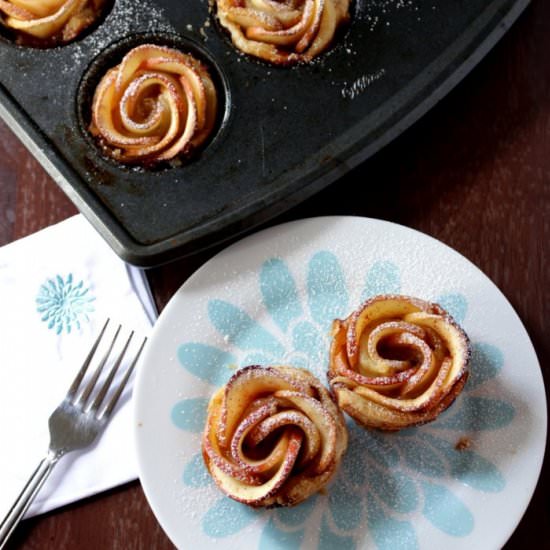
(473,173)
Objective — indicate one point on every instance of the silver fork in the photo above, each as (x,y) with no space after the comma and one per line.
(75,423)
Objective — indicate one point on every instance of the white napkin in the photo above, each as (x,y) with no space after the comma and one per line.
(57,288)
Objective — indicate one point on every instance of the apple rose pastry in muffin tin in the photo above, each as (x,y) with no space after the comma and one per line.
(397,362)
(49,22)
(273,436)
(157,105)
(282,32)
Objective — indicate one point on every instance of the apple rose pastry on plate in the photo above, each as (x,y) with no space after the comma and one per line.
(273,436)
(282,32)
(156,105)
(49,22)
(397,362)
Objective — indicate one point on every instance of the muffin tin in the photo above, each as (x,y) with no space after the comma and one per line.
(283,133)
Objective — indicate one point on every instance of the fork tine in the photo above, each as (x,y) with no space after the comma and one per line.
(114,399)
(94,407)
(80,375)
(83,399)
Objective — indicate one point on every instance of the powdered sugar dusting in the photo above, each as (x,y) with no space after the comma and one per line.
(127,17)
(376,12)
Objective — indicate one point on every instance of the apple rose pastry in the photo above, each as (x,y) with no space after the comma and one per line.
(282,32)
(273,436)
(397,362)
(49,21)
(157,104)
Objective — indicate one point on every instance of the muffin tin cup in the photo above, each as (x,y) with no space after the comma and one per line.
(112,55)
(283,133)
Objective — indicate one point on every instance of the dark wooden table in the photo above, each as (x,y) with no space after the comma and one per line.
(474,173)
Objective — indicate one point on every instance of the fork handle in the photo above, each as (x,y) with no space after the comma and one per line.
(26,496)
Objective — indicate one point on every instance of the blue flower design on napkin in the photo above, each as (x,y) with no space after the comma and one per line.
(64,304)
(386,480)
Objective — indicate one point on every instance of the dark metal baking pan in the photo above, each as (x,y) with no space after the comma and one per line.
(286,132)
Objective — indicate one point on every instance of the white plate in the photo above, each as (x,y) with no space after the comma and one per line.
(270,298)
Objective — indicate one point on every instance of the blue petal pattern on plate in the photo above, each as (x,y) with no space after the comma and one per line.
(455,304)
(227,517)
(386,480)
(206,362)
(279,293)
(445,510)
(273,537)
(63,304)
(190,414)
(195,473)
(389,533)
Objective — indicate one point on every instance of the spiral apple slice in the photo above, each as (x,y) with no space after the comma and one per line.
(255,494)
(397,361)
(373,415)
(284,14)
(170,102)
(34,8)
(250,434)
(188,77)
(289,35)
(140,115)
(241,390)
(282,33)
(371,363)
(50,21)
(157,104)
(137,57)
(200,93)
(103,116)
(250,18)
(342,365)
(273,436)
(213,453)
(16,11)
(322,418)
